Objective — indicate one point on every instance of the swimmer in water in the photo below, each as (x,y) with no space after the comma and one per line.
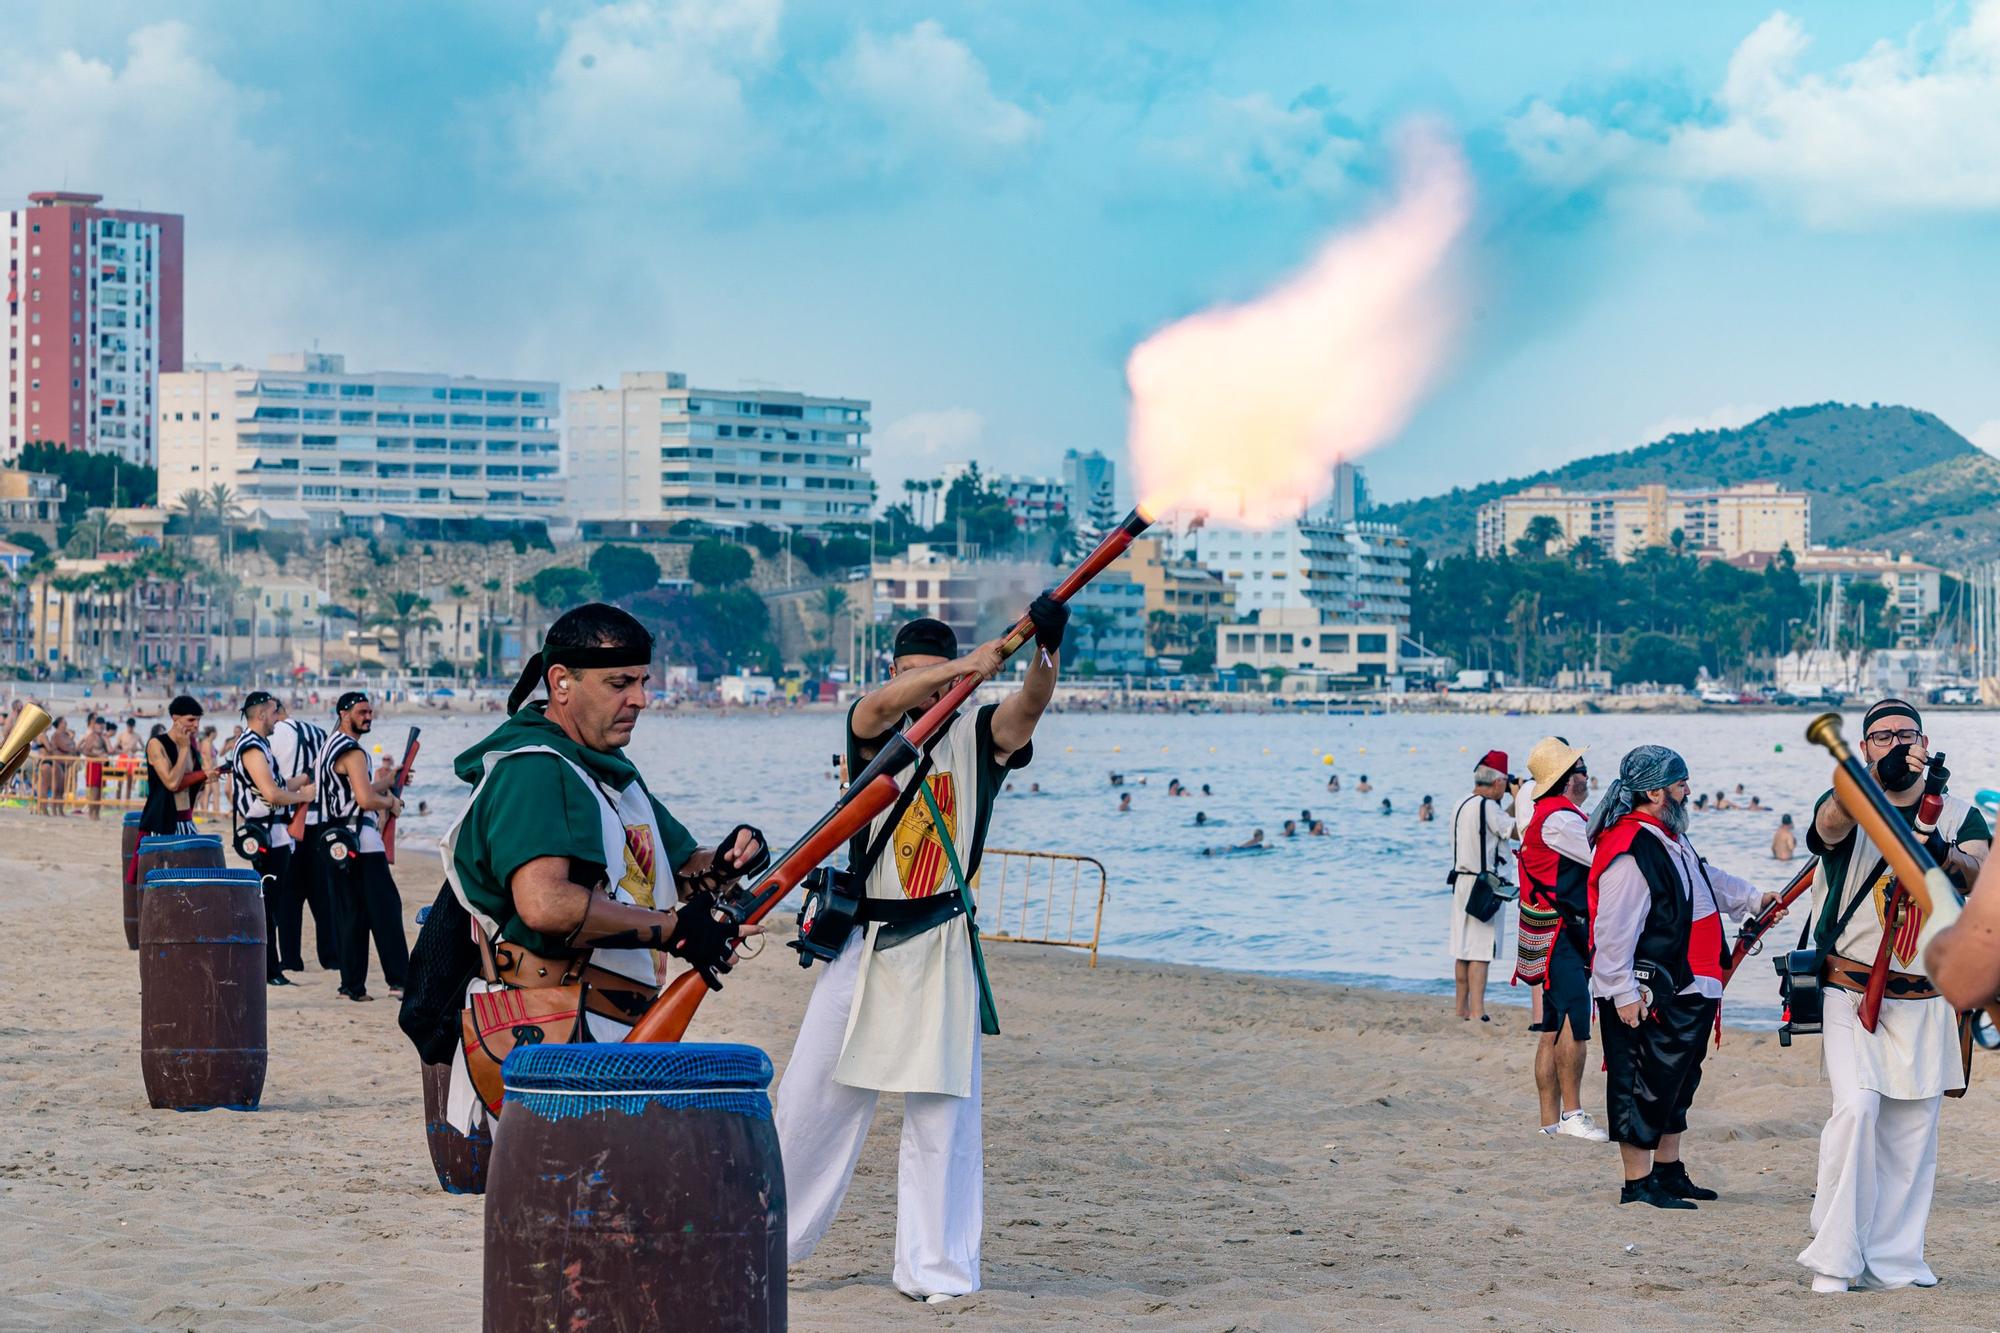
(1426,812)
(1125,803)
(1200,818)
(1291,828)
(1385,805)
(1318,829)
(1364,784)
(1205,791)
(1256,839)
(1785,842)
(1333,782)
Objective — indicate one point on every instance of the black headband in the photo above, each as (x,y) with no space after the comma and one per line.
(622,655)
(1890,708)
(348,700)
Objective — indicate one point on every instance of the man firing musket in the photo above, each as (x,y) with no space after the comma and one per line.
(904,1000)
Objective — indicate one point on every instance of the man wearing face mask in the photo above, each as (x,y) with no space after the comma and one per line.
(1657,962)
(1888,1066)
(903,1006)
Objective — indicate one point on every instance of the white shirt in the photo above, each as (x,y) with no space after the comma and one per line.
(1567,835)
(1465,836)
(1624,898)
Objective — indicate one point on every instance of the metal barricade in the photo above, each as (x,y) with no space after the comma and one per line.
(1047,908)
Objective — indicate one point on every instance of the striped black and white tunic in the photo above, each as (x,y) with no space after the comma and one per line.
(337,802)
(248,803)
(296,744)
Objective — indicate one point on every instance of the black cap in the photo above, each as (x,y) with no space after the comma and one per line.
(348,700)
(926,638)
(256,698)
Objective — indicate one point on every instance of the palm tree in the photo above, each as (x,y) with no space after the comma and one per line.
(1096,622)
(93,536)
(191,506)
(459,592)
(833,601)
(488,644)
(222,503)
(401,610)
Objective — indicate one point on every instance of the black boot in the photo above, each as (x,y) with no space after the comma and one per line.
(1648,1190)
(1673,1178)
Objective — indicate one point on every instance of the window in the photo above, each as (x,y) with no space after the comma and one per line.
(1371,643)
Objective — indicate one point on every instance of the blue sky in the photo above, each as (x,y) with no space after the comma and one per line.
(1688,214)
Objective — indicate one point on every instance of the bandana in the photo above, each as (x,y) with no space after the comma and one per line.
(1647,768)
(1890,708)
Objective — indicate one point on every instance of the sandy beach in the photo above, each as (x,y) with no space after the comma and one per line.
(1166,1148)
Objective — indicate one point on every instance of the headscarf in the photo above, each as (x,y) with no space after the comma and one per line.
(1643,769)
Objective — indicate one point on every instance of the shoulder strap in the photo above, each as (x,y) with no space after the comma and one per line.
(1482,833)
(1826,936)
(865,867)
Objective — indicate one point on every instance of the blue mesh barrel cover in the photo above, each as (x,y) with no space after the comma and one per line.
(177,842)
(238,875)
(132,816)
(560,1080)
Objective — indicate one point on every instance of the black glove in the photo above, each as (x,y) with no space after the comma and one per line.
(1050,618)
(759,860)
(1936,776)
(702,942)
(1938,848)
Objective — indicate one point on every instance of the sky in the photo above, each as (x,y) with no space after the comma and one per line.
(1685,214)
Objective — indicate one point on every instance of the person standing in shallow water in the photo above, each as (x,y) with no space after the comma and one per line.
(1785,842)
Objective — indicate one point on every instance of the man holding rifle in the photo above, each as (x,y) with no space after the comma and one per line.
(558,855)
(1891,1041)
(903,1006)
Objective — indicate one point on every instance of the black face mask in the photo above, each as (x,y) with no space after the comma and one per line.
(1895,770)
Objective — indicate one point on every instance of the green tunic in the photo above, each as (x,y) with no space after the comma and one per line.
(535,805)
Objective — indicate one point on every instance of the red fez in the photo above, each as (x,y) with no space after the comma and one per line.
(1495,760)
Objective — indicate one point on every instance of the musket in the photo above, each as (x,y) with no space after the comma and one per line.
(1751,937)
(873,790)
(1868,805)
(401,781)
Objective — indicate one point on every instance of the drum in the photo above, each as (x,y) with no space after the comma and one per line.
(131,845)
(460,1159)
(648,1178)
(201,989)
(193,851)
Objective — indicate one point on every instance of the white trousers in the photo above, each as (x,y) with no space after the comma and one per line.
(1877,1171)
(940,1194)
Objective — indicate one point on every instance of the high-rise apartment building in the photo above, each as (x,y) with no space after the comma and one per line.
(304,441)
(1758,516)
(93,320)
(653,452)
(1092,481)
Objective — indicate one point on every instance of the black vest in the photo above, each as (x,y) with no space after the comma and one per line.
(1663,940)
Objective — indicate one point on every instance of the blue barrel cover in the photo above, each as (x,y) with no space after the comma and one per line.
(132,816)
(172,875)
(176,842)
(559,1080)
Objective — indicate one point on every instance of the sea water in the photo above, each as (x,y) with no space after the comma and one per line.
(1365,904)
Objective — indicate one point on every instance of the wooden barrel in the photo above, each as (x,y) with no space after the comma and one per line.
(201,989)
(635,1186)
(193,851)
(460,1159)
(131,845)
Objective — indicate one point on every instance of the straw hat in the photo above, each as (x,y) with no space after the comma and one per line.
(1549,760)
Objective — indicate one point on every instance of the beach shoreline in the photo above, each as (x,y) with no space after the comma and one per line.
(1167,1147)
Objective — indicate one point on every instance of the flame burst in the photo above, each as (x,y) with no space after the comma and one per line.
(1247,408)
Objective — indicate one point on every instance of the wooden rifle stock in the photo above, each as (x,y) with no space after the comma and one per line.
(872,791)
(1754,930)
(396,788)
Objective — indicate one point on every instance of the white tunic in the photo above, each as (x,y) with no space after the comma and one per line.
(1473,940)
(916,1006)
(1624,898)
(1913,1052)
(616,810)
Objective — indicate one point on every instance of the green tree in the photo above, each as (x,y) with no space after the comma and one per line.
(92,480)
(31,542)
(622,571)
(403,611)
(559,587)
(1658,659)
(718,564)
(1542,532)
(94,534)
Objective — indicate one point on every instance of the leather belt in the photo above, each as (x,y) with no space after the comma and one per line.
(610,994)
(904,919)
(1848,975)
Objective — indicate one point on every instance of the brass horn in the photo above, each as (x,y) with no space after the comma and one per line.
(14,750)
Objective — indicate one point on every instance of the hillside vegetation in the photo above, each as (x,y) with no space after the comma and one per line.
(1890,477)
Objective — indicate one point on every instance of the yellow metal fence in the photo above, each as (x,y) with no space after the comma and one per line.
(1041,898)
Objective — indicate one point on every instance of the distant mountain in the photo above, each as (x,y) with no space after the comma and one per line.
(1893,478)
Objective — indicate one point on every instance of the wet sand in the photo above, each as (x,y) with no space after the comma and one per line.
(1166,1148)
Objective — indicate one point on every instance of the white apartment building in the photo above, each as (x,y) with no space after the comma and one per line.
(1352,571)
(1309,646)
(1034,501)
(653,452)
(1756,516)
(304,441)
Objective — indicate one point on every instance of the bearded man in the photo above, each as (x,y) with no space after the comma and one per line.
(1658,956)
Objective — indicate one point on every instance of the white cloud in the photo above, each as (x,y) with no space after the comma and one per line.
(1903,128)
(651,91)
(165,130)
(932,92)
(1250,142)
(915,445)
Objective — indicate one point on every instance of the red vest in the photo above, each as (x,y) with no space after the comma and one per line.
(1540,863)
